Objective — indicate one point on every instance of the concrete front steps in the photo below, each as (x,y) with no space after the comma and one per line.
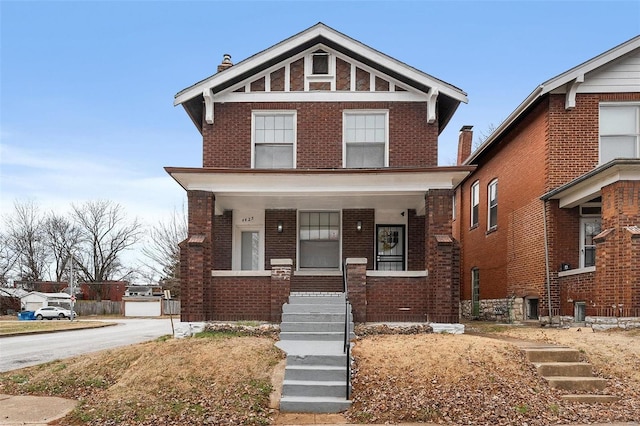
(312,335)
(562,369)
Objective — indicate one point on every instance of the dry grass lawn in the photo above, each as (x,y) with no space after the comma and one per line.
(8,328)
(470,379)
(226,379)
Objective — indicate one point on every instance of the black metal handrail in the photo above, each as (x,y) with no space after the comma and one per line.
(347,332)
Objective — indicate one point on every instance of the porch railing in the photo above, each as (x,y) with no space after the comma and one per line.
(347,332)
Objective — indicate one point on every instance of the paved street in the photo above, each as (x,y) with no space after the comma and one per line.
(23,351)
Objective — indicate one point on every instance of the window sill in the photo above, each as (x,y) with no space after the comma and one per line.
(318,272)
(473,227)
(492,230)
(576,271)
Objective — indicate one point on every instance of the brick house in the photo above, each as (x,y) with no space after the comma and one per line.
(564,232)
(320,152)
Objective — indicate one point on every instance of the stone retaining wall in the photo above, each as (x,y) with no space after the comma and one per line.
(504,310)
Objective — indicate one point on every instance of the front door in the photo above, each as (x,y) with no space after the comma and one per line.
(390,248)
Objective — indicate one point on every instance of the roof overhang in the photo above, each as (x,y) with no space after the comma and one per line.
(319,189)
(588,186)
(567,80)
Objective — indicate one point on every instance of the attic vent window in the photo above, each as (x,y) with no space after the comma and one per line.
(320,62)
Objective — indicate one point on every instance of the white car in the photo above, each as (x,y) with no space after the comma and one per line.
(51,312)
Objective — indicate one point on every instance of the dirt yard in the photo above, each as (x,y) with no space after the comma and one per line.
(473,379)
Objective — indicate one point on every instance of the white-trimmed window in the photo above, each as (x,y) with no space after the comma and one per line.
(365,135)
(590,226)
(475,203)
(492,205)
(619,131)
(319,240)
(320,62)
(273,139)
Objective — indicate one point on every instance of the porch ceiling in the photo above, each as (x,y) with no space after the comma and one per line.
(319,189)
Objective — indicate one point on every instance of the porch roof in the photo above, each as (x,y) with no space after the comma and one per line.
(396,188)
(588,186)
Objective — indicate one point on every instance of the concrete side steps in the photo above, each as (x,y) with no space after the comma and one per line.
(327,360)
(552,354)
(576,383)
(317,300)
(571,369)
(317,317)
(591,399)
(300,404)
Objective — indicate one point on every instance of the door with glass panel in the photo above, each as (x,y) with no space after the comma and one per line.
(390,248)
(589,228)
(250,251)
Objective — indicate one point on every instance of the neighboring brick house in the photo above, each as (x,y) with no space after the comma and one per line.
(551,215)
(317,150)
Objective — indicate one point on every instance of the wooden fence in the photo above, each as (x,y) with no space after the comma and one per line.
(85,308)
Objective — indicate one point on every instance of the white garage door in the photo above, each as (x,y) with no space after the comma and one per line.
(142,309)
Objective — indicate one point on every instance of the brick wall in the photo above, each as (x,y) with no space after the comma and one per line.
(415,255)
(280,245)
(413,142)
(222,241)
(577,288)
(396,299)
(359,243)
(240,298)
(316,283)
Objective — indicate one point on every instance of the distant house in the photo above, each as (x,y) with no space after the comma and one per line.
(320,159)
(104,290)
(35,300)
(10,300)
(549,220)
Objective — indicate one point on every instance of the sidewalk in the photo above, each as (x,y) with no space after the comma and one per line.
(33,410)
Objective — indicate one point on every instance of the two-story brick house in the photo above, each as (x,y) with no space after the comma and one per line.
(551,215)
(318,150)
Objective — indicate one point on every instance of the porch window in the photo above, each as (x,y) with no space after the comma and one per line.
(492,205)
(319,240)
(365,139)
(250,251)
(475,203)
(274,135)
(619,131)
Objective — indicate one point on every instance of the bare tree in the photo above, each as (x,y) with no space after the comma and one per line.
(106,234)
(63,238)
(8,258)
(27,237)
(483,136)
(163,251)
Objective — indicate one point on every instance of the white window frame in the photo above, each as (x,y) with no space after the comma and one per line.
(365,112)
(267,113)
(635,135)
(246,221)
(584,219)
(490,193)
(474,196)
(298,249)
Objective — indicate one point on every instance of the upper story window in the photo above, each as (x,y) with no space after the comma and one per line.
(619,131)
(492,205)
(365,139)
(475,203)
(274,139)
(320,62)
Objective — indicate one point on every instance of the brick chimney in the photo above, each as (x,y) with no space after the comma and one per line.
(226,62)
(464,143)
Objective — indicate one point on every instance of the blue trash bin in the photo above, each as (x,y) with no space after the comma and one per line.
(26,316)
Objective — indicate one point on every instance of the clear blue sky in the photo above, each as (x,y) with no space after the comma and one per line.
(87,87)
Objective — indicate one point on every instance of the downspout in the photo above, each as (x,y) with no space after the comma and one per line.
(546,257)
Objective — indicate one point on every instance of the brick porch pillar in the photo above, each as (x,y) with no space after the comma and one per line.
(357,287)
(442,258)
(196,257)
(280,286)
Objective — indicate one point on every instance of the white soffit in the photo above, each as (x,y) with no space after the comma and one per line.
(590,187)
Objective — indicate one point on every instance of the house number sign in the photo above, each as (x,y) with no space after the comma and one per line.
(247,219)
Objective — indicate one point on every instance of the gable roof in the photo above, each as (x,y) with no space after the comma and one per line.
(566,82)
(449,96)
